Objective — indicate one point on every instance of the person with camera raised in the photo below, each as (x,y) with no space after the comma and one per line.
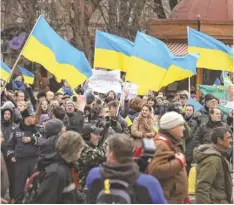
(168,163)
(117,123)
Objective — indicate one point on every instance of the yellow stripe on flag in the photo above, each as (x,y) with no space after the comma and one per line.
(37,52)
(129,121)
(212,59)
(110,59)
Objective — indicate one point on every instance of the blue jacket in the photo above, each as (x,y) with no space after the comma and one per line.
(147,189)
(18,85)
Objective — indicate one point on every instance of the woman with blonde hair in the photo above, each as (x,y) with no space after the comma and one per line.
(143,125)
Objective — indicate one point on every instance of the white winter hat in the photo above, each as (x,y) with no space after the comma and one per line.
(171,120)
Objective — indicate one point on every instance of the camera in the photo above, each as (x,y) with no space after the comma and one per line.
(148,149)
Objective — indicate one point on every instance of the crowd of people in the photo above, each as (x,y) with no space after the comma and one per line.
(78,146)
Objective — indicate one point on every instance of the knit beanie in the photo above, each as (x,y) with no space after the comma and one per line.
(43,118)
(53,127)
(171,120)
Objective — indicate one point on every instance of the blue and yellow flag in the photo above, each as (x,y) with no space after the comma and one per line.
(28,76)
(5,72)
(181,68)
(112,52)
(154,66)
(214,54)
(46,47)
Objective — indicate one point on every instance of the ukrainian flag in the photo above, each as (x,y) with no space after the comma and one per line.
(154,66)
(112,52)
(214,54)
(28,76)
(46,47)
(149,62)
(181,68)
(5,72)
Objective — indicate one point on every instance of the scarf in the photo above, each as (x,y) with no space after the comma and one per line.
(148,122)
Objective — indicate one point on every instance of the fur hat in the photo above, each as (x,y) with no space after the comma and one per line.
(69,144)
(171,120)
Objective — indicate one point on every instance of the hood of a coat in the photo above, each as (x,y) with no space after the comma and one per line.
(204,151)
(127,172)
(5,108)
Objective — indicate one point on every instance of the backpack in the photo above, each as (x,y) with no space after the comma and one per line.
(115,192)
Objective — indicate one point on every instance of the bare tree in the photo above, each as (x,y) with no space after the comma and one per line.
(77,20)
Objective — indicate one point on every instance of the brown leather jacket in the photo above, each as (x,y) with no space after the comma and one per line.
(168,170)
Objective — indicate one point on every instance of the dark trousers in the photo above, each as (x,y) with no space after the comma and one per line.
(11,172)
(23,169)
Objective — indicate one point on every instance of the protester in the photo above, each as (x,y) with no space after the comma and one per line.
(23,152)
(43,108)
(202,135)
(54,103)
(48,154)
(7,126)
(59,97)
(4,177)
(118,124)
(189,144)
(132,109)
(49,96)
(44,118)
(110,96)
(91,156)
(230,119)
(143,125)
(57,182)
(59,113)
(41,96)
(18,83)
(160,106)
(66,89)
(168,163)
(19,96)
(202,115)
(74,119)
(152,103)
(121,167)
(214,181)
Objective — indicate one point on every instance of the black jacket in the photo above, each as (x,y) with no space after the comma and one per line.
(15,146)
(189,144)
(48,154)
(6,127)
(203,132)
(74,121)
(146,188)
(57,186)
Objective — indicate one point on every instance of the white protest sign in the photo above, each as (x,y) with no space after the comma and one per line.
(103,81)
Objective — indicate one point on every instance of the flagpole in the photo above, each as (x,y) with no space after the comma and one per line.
(189,87)
(20,54)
